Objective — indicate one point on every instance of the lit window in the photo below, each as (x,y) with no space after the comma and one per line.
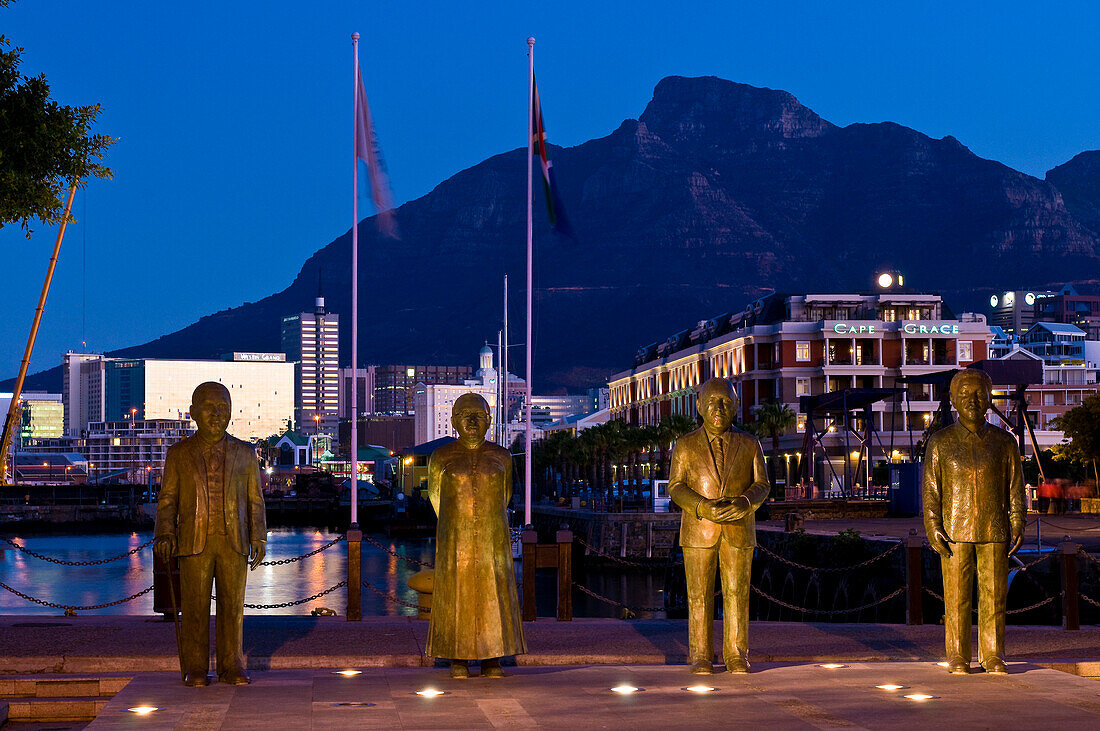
(966,350)
(802,387)
(802,350)
(801,422)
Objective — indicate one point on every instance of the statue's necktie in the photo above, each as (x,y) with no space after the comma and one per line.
(719,455)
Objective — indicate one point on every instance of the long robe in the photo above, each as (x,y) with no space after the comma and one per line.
(475,606)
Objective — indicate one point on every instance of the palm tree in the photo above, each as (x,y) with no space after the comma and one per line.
(671,428)
(773,420)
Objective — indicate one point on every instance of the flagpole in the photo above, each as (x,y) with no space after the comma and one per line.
(504,366)
(530,282)
(354,449)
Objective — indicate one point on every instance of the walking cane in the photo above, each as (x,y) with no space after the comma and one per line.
(175,614)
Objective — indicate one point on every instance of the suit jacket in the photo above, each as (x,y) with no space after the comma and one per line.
(973,485)
(695,477)
(183,509)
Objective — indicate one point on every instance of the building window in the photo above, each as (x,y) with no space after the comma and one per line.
(801,422)
(802,350)
(966,350)
(1048,399)
(802,387)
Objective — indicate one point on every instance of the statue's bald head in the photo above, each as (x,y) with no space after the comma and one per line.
(468,401)
(208,390)
(716,402)
(980,379)
(716,386)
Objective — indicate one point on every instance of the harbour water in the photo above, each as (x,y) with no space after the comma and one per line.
(99,584)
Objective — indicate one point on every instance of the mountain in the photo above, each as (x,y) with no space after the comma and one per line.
(718,192)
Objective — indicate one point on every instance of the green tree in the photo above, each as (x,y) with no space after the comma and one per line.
(45,147)
(773,420)
(670,429)
(1081,426)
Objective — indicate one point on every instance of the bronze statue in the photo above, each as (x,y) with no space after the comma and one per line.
(210,513)
(718,479)
(475,606)
(974,508)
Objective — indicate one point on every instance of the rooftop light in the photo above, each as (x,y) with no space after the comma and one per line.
(885,280)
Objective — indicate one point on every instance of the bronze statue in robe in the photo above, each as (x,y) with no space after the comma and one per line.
(974,516)
(718,479)
(475,606)
(210,513)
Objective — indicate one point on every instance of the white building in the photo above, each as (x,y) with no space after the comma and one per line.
(432,403)
(99,389)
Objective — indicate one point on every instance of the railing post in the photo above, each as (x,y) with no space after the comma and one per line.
(530,541)
(355,574)
(914,568)
(1071,618)
(565,575)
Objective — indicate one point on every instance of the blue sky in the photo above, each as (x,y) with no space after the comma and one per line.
(234,119)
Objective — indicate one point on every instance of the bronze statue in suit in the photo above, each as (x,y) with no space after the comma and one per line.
(210,513)
(718,480)
(974,517)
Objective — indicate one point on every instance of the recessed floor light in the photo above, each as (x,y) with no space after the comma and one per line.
(354,704)
(143,710)
(430,693)
(920,697)
(891,686)
(347,673)
(626,689)
(700,688)
(832,665)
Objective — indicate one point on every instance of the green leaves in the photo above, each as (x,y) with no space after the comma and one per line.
(45,147)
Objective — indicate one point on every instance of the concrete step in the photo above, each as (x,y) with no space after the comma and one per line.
(67,686)
(55,709)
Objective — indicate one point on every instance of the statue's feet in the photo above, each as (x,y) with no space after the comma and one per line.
(460,669)
(738,666)
(702,667)
(995,666)
(958,666)
(195,680)
(235,677)
(491,669)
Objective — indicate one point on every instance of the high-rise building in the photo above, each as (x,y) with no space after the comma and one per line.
(1014,311)
(394,385)
(312,342)
(364,391)
(261,387)
(40,416)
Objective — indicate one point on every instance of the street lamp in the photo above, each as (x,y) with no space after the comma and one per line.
(91,466)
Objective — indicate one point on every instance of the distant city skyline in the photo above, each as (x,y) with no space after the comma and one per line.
(234,127)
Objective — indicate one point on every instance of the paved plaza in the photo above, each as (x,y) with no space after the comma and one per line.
(776,695)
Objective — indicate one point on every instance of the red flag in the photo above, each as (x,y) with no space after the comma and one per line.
(367,150)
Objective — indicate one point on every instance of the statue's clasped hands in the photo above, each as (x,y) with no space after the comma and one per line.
(724,510)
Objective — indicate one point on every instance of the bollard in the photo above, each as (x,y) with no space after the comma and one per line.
(1071,618)
(355,570)
(914,567)
(565,575)
(530,540)
(423,583)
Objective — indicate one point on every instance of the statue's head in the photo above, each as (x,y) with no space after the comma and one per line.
(716,402)
(971,394)
(470,417)
(211,408)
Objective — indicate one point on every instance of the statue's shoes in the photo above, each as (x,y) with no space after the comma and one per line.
(702,667)
(235,677)
(460,670)
(738,666)
(195,680)
(958,666)
(492,670)
(995,666)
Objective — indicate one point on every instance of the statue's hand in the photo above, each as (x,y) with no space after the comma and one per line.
(734,510)
(259,550)
(165,548)
(939,541)
(1016,537)
(709,510)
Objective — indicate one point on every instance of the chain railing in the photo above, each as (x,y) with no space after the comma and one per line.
(828,612)
(616,559)
(391,598)
(60,562)
(69,608)
(296,602)
(1019,610)
(314,552)
(631,612)
(395,554)
(829,569)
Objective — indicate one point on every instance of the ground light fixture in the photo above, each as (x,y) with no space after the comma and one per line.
(832,665)
(699,689)
(347,673)
(143,710)
(430,693)
(626,689)
(891,686)
(920,697)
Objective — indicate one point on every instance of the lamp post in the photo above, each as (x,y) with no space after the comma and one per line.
(50,465)
(91,466)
